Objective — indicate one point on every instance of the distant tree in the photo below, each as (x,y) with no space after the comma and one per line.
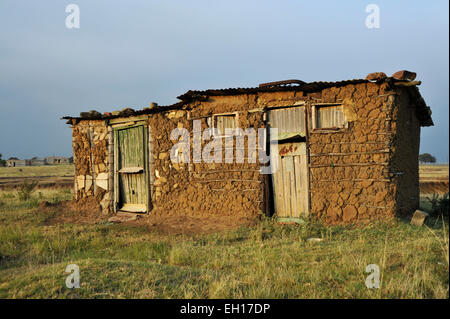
(2,161)
(427,158)
(71,159)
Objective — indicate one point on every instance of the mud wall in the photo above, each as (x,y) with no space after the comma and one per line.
(199,188)
(90,140)
(352,170)
(349,167)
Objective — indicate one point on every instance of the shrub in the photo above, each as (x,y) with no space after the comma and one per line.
(26,190)
(439,206)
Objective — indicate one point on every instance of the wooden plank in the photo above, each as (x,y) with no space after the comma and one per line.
(349,153)
(274,190)
(137,139)
(299,187)
(128,119)
(150,168)
(143,185)
(286,188)
(313,117)
(134,208)
(279,190)
(116,169)
(292,187)
(303,162)
(348,164)
(130,170)
(307,111)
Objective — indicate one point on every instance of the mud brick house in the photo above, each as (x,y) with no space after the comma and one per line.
(35,161)
(346,151)
(14,162)
(56,160)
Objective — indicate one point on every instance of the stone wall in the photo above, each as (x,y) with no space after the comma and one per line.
(90,140)
(353,170)
(205,188)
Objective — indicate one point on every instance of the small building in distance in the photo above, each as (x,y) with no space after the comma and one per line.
(14,162)
(36,161)
(56,160)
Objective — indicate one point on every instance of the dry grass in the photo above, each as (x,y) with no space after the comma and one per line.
(267,261)
(433,172)
(31,171)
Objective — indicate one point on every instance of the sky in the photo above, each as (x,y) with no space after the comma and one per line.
(131,53)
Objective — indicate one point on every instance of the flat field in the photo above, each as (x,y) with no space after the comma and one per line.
(154,259)
(269,260)
(48,176)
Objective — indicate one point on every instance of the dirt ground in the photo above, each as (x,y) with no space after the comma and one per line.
(88,212)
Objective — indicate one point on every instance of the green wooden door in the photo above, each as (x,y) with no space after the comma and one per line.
(131,169)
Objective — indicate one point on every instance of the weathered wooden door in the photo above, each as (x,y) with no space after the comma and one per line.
(290,180)
(131,178)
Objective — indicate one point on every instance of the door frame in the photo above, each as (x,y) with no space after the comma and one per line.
(116,191)
(270,188)
(298,160)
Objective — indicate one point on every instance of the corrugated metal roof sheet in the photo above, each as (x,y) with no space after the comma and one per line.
(423,111)
(307,87)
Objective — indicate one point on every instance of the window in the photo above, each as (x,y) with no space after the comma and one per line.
(221,122)
(329,116)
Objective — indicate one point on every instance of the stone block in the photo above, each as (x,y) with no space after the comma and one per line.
(349,213)
(404,75)
(88,182)
(163,156)
(376,76)
(81,182)
(418,218)
(102,183)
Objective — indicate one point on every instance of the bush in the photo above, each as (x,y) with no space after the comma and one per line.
(439,206)
(26,190)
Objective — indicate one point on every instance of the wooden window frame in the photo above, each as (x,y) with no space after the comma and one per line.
(213,123)
(316,129)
